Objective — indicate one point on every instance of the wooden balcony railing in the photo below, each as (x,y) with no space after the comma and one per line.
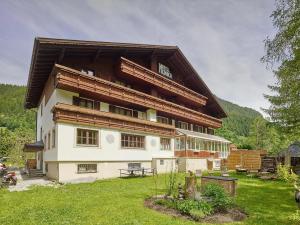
(130,68)
(75,114)
(73,80)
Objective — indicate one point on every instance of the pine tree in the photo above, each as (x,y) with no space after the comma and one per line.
(284,50)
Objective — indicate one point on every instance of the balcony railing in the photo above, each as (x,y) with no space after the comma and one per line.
(73,80)
(130,68)
(74,114)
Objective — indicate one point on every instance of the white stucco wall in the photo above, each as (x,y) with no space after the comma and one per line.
(109,148)
(45,121)
(68,171)
(192,164)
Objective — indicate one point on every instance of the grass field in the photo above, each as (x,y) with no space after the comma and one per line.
(120,201)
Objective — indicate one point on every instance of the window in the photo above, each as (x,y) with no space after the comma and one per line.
(41,108)
(161,162)
(134,165)
(49,140)
(122,84)
(132,141)
(87,137)
(46,167)
(165,144)
(198,128)
(182,125)
(87,168)
(179,143)
(86,103)
(210,131)
(161,119)
(88,72)
(121,110)
(53,138)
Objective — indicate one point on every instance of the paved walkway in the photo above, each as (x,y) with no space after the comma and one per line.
(25,182)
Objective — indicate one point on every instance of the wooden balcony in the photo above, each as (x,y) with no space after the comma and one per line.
(73,80)
(129,68)
(75,114)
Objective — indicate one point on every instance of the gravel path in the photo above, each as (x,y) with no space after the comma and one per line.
(24,184)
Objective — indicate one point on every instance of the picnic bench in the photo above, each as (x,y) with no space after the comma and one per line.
(135,169)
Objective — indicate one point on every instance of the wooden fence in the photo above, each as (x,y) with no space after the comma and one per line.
(248,159)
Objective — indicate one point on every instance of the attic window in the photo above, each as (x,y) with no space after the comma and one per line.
(164,70)
(88,72)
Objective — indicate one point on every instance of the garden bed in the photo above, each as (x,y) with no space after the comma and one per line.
(232,215)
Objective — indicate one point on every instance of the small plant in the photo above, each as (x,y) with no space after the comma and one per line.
(186,206)
(196,209)
(171,182)
(220,200)
(286,174)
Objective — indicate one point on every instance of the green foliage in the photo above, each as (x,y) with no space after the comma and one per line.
(286,174)
(120,201)
(17,124)
(220,200)
(188,205)
(238,121)
(171,182)
(295,217)
(166,202)
(283,50)
(12,113)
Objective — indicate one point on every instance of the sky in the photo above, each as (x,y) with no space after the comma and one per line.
(223,39)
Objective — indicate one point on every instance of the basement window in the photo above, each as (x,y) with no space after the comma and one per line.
(87,168)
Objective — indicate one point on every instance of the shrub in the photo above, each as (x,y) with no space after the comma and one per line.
(187,206)
(220,200)
(286,174)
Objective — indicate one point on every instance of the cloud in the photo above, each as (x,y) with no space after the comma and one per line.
(222,39)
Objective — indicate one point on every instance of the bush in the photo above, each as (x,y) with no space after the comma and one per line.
(286,174)
(187,206)
(197,209)
(220,200)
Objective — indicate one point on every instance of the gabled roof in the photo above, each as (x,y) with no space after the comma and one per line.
(48,51)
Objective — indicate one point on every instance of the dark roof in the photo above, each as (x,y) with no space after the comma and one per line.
(48,51)
(34,147)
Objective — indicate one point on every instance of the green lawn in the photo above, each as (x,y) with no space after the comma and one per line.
(120,201)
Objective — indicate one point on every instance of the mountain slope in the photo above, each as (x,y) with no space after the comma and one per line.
(12,113)
(239,118)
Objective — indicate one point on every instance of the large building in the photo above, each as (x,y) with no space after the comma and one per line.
(103,106)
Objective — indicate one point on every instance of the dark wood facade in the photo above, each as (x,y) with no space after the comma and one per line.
(78,115)
(123,74)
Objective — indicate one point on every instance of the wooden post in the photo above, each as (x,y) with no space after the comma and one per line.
(190,186)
